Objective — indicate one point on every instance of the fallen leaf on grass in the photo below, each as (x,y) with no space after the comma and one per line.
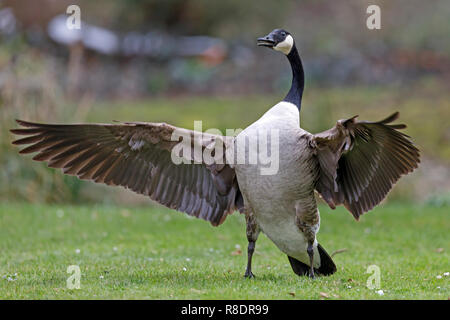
(236,252)
(292,293)
(324,295)
(439,250)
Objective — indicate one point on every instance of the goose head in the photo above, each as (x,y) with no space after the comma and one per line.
(279,40)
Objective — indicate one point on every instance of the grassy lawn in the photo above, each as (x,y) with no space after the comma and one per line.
(156,253)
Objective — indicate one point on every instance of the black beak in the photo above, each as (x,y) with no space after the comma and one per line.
(266,41)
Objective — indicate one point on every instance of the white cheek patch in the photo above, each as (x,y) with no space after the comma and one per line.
(286,45)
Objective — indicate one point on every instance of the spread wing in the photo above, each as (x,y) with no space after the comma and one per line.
(137,156)
(360,162)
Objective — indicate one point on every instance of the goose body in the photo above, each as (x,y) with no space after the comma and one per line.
(273,198)
(355,164)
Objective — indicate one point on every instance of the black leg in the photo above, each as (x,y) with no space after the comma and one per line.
(250,250)
(252,236)
(310,250)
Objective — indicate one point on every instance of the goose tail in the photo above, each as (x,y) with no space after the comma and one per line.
(327,266)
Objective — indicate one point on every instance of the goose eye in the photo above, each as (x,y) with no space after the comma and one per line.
(283,34)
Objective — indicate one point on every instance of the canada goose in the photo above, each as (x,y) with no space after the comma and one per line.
(355,163)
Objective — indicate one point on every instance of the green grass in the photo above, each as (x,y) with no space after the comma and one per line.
(140,253)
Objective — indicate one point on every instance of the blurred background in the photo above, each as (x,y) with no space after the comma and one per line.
(179,61)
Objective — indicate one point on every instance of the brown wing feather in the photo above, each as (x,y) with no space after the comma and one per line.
(136,156)
(361,161)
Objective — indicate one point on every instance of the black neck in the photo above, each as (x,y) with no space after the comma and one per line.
(298,79)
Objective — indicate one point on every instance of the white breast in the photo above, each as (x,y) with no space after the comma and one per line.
(272,198)
(282,115)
